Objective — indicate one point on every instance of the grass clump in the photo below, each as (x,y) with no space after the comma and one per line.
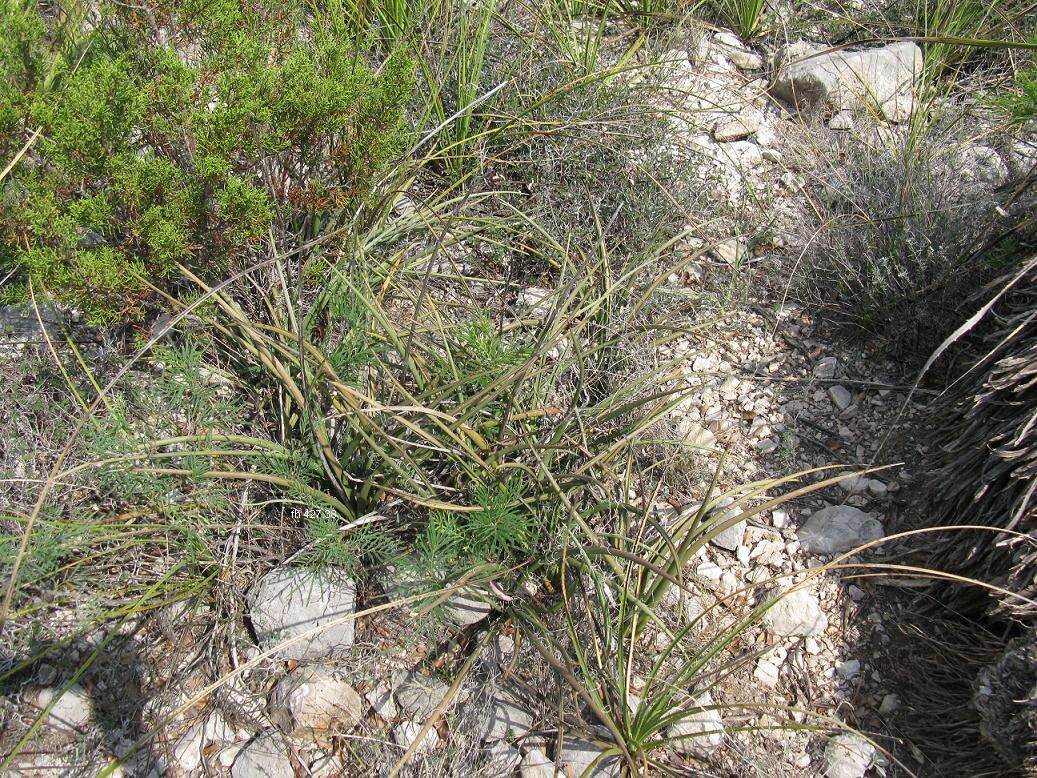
(257,123)
(892,244)
(743,16)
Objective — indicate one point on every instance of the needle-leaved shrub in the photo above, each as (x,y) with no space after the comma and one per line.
(191,134)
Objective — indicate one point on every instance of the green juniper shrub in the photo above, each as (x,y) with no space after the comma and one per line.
(259,121)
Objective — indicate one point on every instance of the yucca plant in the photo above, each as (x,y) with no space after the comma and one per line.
(987,450)
(743,16)
(621,561)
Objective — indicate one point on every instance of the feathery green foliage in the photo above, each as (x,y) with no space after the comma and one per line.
(151,157)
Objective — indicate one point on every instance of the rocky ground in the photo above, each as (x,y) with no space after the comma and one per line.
(771,390)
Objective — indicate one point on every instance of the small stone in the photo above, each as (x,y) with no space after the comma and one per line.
(535,764)
(732,130)
(263,757)
(877,488)
(856,593)
(841,396)
(464,610)
(743,155)
(766,673)
(506,720)
(310,699)
(71,712)
(742,555)
(848,755)
(578,755)
(419,695)
(536,299)
(710,571)
(702,364)
(848,669)
(757,575)
(380,698)
(693,434)
(842,121)
(736,51)
(728,539)
(188,751)
(890,704)
(766,136)
(732,251)
(826,368)
(288,602)
(406,732)
(779,518)
(701,732)
(796,613)
(745,60)
(767,445)
(882,77)
(729,388)
(728,582)
(854,484)
(838,528)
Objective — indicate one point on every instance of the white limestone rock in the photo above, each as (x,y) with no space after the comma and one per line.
(701,732)
(796,613)
(838,528)
(311,699)
(880,78)
(288,602)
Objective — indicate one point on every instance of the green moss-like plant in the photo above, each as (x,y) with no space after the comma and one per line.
(184,135)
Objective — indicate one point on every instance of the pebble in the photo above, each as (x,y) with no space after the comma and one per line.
(506,719)
(890,704)
(72,711)
(841,396)
(732,251)
(848,755)
(843,120)
(766,673)
(838,528)
(578,755)
(313,699)
(826,368)
(407,731)
(701,730)
(288,602)
(263,757)
(535,764)
(710,571)
(849,669)
(796,613)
